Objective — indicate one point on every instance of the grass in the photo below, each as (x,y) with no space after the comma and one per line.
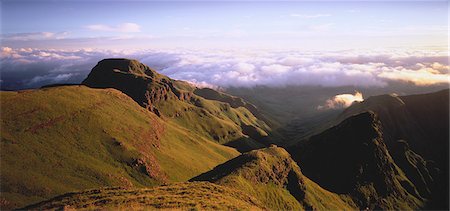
(213,119)
(271,176)
(180,196)
(62,139)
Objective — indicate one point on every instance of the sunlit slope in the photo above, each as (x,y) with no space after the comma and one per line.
(180,196)
(62,139)
(177,102)
(276,180)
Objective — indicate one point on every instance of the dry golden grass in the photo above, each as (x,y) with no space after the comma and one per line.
(179,196)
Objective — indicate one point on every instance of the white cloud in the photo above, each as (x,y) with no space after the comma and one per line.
(220,68)
(341,101)
(124,27)
(275,69)
(421,77)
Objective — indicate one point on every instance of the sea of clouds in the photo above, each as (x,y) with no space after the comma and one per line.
(23,68)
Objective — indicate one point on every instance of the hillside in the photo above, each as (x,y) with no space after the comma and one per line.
(148,130)
(352,158)
(276,180)
(184,196)
(62,139)
(177,102)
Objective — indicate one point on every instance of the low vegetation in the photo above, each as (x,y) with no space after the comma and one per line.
(276,180)
(180,196)
(62,139)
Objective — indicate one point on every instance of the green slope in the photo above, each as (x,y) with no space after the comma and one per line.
(177,102)
(62,139)
(275,179)
(179,196)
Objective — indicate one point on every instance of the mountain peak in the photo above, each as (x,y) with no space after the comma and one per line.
(135,79)
(124,65)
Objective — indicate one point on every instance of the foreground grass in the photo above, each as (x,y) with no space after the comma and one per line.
(180,196)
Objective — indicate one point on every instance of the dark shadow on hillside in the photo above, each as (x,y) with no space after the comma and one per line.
(245,144)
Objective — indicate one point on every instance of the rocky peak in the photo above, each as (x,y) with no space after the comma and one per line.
(140,82)
(123,65)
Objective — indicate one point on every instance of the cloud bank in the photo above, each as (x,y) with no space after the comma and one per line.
(28,68)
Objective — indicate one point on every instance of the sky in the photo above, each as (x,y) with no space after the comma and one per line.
(205,24)
(229,43)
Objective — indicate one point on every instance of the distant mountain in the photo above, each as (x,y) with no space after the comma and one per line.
(352,158)
(275,179)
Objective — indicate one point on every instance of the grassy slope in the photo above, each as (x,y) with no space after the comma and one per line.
(212,119)
(276,180)
(62,139)
(185,196)
(175,101)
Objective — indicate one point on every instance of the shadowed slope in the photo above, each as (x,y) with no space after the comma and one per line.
(422,121)
(351,158)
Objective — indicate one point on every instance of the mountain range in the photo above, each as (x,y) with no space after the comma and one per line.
(129,137)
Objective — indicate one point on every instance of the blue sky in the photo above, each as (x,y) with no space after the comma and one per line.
(205,24)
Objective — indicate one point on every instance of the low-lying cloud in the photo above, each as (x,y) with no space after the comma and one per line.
(341,101)
(28,68)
